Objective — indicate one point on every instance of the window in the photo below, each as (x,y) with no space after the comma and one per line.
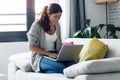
(16,16)
(12,15)
(39,4)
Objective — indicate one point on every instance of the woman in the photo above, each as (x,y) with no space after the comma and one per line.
(45,40)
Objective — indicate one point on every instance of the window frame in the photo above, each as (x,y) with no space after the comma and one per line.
(19,36)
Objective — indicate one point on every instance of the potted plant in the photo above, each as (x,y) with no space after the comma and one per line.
(94,31)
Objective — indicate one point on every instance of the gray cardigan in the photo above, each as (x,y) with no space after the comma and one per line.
(36,37)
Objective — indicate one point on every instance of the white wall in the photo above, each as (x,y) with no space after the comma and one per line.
(7,49)
(64,20)
(95,12)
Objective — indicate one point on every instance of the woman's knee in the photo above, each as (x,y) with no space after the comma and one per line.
(50,66)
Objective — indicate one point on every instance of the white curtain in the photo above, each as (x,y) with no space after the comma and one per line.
(64,21)
(72,17)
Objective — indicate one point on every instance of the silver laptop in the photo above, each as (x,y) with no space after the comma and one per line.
(68,52)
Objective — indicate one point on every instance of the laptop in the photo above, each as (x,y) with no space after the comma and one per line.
(68,52)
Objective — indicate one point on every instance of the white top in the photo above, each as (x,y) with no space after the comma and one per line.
(49,42)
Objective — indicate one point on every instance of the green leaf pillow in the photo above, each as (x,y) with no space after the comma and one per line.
(95,50)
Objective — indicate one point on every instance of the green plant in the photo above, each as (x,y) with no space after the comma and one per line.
(94,31)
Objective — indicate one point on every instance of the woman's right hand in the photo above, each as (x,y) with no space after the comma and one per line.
(53,55)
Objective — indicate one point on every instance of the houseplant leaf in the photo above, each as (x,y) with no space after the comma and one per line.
(117,28)
(100,26)
(94,31)
(87,22)
(83,33)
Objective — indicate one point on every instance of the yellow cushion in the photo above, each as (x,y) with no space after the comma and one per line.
(95,50)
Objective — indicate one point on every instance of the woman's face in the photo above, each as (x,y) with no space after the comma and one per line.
(54,18)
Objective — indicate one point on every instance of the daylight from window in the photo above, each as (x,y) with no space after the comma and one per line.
(39,4)
(13,15)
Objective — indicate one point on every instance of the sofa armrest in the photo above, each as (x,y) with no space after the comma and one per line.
(11,71)
(22,61)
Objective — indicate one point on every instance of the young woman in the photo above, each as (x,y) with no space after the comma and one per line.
(45,40)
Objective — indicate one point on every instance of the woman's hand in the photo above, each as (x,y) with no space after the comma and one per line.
(53,55)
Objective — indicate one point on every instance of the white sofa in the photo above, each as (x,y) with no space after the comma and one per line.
(15,72)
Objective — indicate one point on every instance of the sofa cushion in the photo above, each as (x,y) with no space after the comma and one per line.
(93,66)
(21,75)
(22,60)
(105,76)
(95,50)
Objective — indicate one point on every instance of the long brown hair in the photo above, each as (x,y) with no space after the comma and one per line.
(44,19)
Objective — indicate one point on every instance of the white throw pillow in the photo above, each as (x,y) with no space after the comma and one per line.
(93,66)
(22,60)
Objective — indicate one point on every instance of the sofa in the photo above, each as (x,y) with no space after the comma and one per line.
(108,68)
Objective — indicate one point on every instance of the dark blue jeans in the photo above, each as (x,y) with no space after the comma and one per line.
(51,66)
